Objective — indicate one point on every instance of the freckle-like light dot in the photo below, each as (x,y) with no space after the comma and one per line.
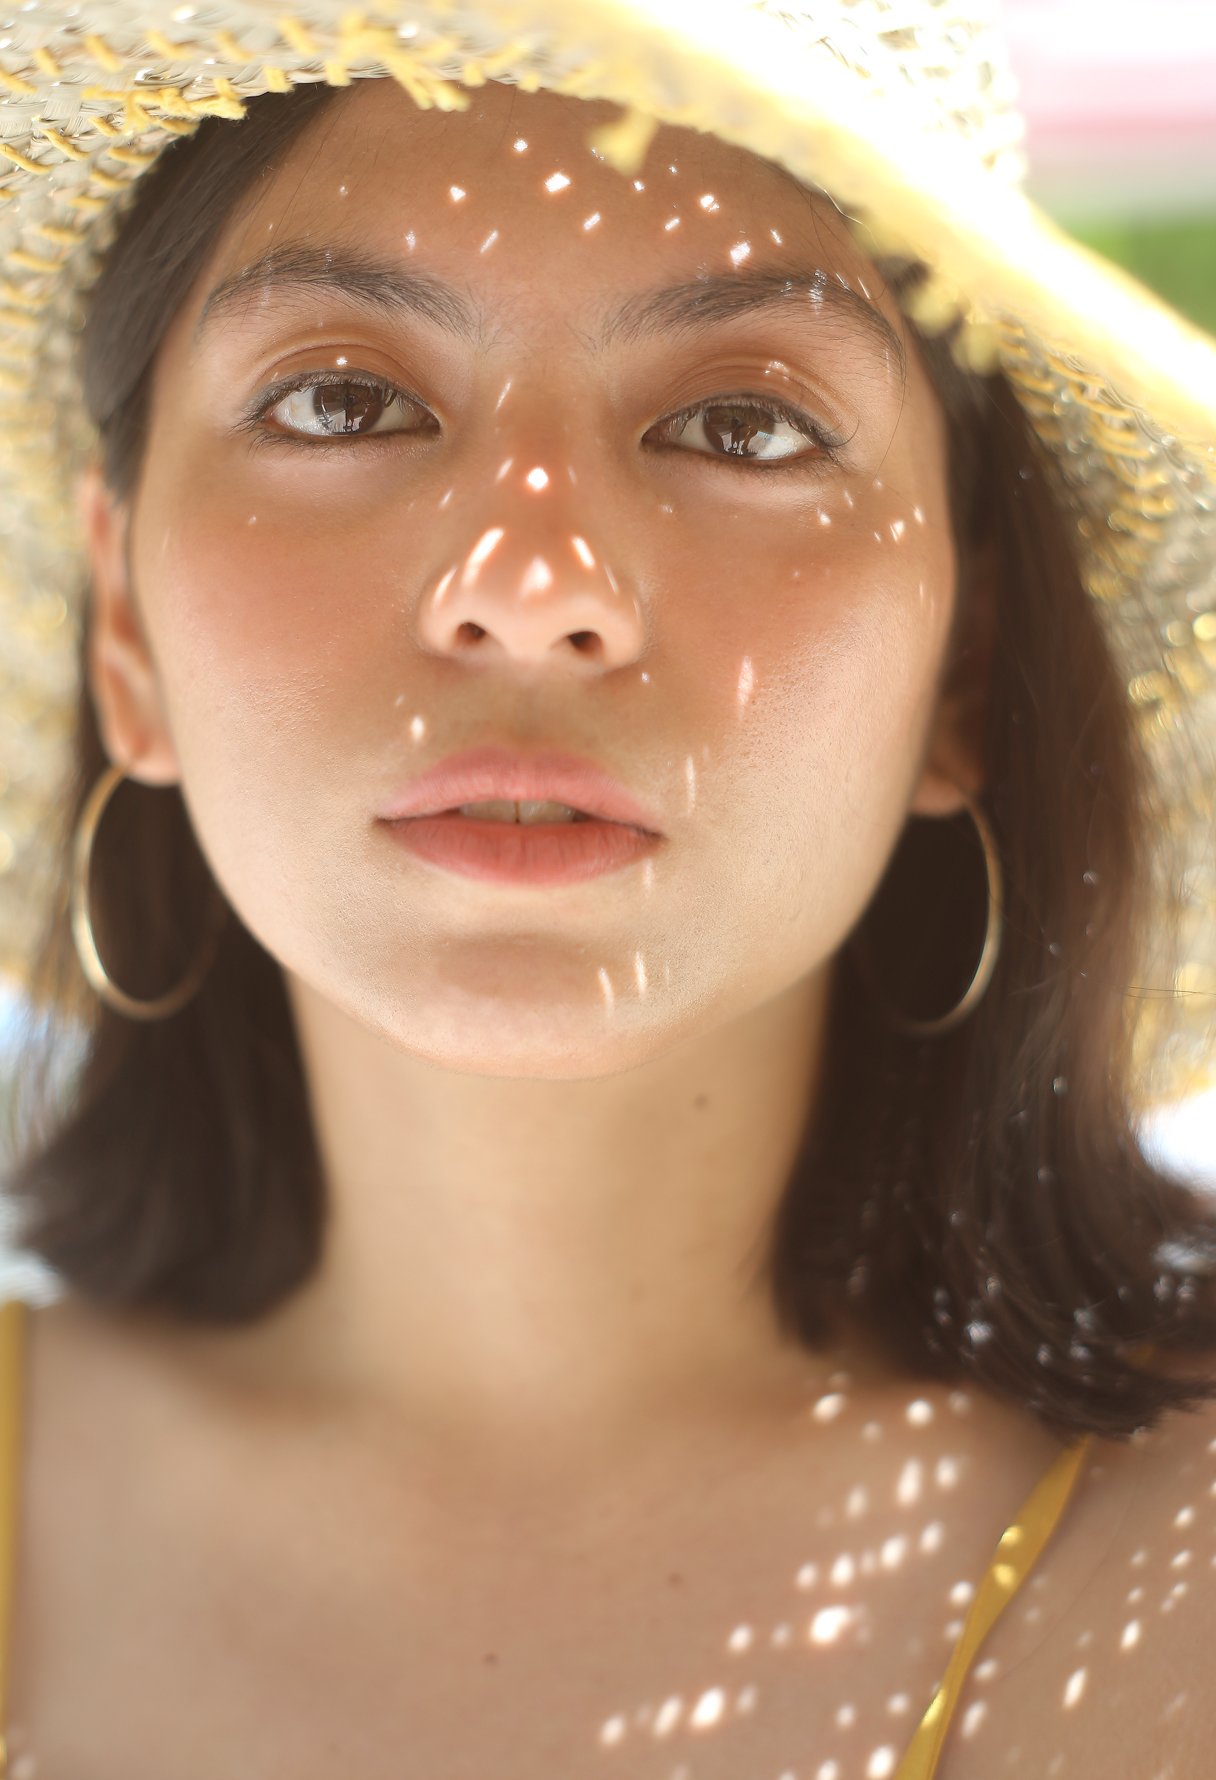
(708,202)
(843,1570)
(828,1407)
(458,192)
(410,239)
(639,185)
(919,1412)
(893,1551)
(910,1485)
(740,1638)
(898,528)
(613,1730)
(519,145)
(592,220)
(489,241)
(828,1624)
(932,1536)
(745,1699)
(1131,1635)
(945,1472)
(342,191)
(1184,1517)
(776,237)
(806,1576)
(417,728)
(252,520)
(557,182)
(846,1715)
(918,513)
(673,224)
(1074,1687)
(881,1763)
(740,253)
(708,1709)
(824,518)
(667,1716)
(537,478)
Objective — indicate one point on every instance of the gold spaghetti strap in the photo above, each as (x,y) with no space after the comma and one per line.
(12,1348)
(1016,1555)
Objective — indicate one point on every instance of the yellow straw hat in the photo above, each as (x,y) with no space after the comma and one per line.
(901,110)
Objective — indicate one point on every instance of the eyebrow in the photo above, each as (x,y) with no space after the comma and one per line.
(389,291)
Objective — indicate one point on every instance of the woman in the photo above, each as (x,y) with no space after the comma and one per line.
(535,1302)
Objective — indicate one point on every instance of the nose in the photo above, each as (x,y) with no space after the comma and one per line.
(531,587)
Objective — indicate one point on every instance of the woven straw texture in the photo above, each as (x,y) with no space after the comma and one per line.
(903,110)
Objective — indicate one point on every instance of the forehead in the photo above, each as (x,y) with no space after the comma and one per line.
(507,197)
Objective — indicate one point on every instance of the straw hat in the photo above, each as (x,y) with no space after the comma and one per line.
(902,110)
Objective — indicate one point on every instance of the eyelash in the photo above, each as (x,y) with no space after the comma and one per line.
(829,443)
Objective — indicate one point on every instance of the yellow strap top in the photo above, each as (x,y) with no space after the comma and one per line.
(1016,1554)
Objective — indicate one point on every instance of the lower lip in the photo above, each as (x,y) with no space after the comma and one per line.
(522,852)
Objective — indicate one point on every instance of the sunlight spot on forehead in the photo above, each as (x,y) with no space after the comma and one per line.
(898,528)
(592,220)
(458,192)
(446,497)
(584,552)
(708,202)
(417,728)
(848,498)
(827,1625)
(776,237)
(739,254)
(673,224)
(537,478)
(519,145)
(746,681)
(824,518)
(740,1638)
(410,240)
(503,468)
(490,239)
(342,191)
(639,185)
(557,182)
(502,394)
(918,515)
(252,519)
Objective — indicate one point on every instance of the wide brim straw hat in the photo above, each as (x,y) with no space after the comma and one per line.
(902,111)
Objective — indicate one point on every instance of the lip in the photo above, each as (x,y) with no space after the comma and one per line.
(493,771)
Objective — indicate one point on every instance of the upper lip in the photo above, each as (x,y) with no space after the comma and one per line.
(492,771)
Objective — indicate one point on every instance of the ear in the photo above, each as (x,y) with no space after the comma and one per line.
(954,754)
(120,668)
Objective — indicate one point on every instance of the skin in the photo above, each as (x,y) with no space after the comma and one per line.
(555,1124)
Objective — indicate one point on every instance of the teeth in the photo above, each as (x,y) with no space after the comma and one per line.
(500,810)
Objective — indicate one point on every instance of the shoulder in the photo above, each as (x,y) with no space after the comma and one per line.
(1109,1650)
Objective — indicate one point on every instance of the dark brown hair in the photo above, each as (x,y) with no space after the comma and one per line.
(979,1200)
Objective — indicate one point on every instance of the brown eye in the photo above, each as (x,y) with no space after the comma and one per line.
(336,407)
(750,432)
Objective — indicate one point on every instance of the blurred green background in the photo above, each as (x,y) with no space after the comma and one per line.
(1176,256)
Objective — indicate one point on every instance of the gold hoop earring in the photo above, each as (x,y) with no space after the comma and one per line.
(161,1006)
(978,985)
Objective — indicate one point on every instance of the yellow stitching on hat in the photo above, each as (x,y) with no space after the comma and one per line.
(625,141)
(14,83)
(134,157)
(17,317)
(86,201)
(171,102)
(17,293)
(296,35)
(108,181)
(228,47)
(46,61)
(107,96)
(32,262)
(101,52)
(160,44)
(57,232)
(23,161)
(73,150)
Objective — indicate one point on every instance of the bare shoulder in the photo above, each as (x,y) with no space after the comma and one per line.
(1105,1664)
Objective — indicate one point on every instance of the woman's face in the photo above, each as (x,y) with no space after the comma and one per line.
(741,616)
